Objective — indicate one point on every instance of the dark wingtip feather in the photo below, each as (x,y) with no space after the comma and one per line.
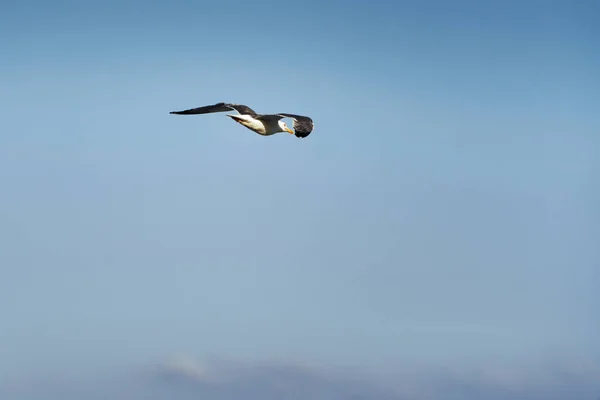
(302,134)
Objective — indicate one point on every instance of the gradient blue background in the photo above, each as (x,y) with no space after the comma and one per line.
(443,213)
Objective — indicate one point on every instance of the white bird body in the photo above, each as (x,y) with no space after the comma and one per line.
(265,128)
(263,124)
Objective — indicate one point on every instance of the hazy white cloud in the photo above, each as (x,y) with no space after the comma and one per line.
(185,378)
(186,368)
(550,382)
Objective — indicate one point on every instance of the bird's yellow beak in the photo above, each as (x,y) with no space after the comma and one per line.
(289,130)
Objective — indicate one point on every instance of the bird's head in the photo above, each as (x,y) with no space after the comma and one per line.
(284,127)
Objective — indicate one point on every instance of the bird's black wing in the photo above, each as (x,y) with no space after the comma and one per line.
(219,107)
(303,126)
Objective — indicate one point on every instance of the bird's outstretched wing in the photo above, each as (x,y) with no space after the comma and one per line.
(303,126)
(219,107)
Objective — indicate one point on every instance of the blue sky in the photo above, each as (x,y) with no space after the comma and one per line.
(444,212)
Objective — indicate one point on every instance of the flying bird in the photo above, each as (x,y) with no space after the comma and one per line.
(263,124)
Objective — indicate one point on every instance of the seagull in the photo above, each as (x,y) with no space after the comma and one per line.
(263,124)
